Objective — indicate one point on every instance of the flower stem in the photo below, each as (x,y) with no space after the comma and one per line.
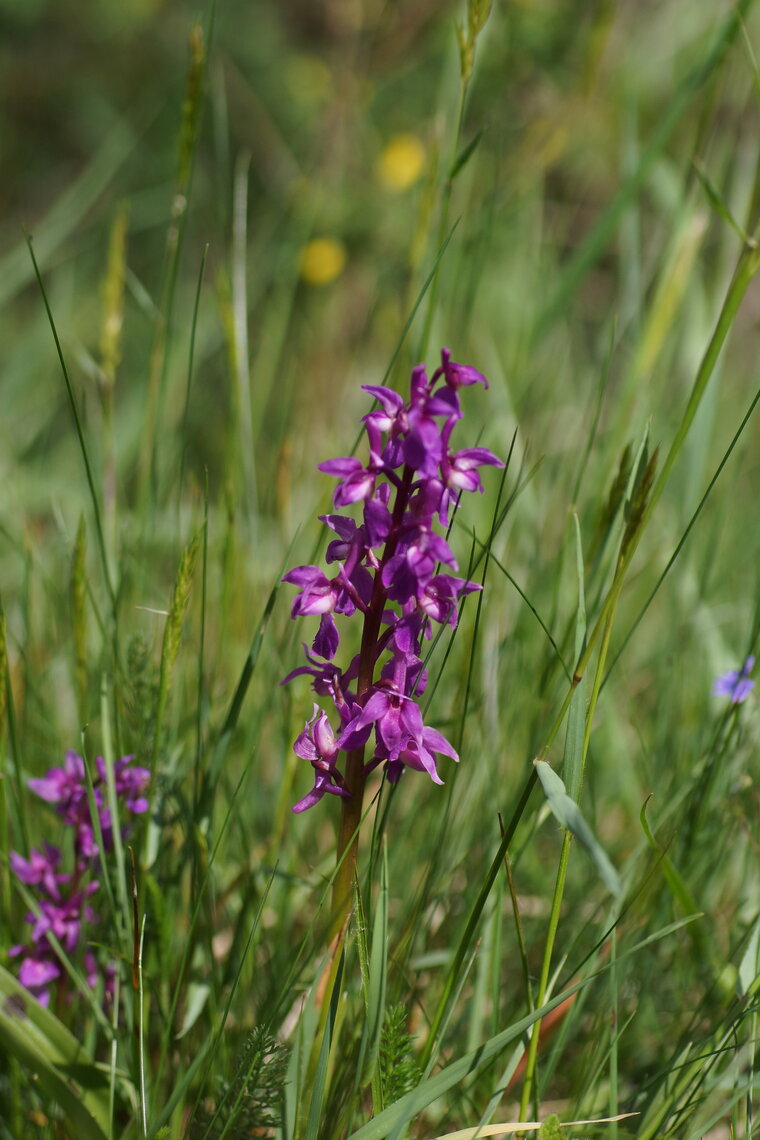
(348,837)
(355,777)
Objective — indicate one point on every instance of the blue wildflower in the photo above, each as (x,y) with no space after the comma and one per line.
(736,683)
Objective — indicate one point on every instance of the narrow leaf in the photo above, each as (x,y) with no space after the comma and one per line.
(749,968)
(508,1126)
(568,815)
(377,966)
(197,999)
(465,155)
(576,721)
(717,202)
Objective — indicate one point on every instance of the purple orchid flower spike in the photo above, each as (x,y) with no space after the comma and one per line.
(64,907)
(389,572)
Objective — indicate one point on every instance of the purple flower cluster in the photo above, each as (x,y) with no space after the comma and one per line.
(411,480)
(63,898)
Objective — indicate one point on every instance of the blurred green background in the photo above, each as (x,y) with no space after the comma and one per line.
(585,244)
(586,254)
(585,270)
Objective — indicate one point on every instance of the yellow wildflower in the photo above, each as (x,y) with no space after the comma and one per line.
(322,260)
(401,162)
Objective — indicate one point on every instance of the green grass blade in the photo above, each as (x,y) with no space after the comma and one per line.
(124,908)
(202,889)
(749,967)
(574,755)
(568,815)
(188,387)
(61,1065)
(240,307)
(319,1086)
(199,713)
(94,497)
(429,1090)
(185,1081)
(468,934)
(173,633)
(378,979)
(192,109)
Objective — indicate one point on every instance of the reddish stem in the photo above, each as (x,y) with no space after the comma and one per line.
(355,778)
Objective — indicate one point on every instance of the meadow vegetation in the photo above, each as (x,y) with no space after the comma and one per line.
(214,233)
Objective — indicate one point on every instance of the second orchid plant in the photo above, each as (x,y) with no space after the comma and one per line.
(63,899)
(387,571)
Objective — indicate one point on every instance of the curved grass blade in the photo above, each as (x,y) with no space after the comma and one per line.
(574,756)
(80,433)
(569,815)
(509,1126)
